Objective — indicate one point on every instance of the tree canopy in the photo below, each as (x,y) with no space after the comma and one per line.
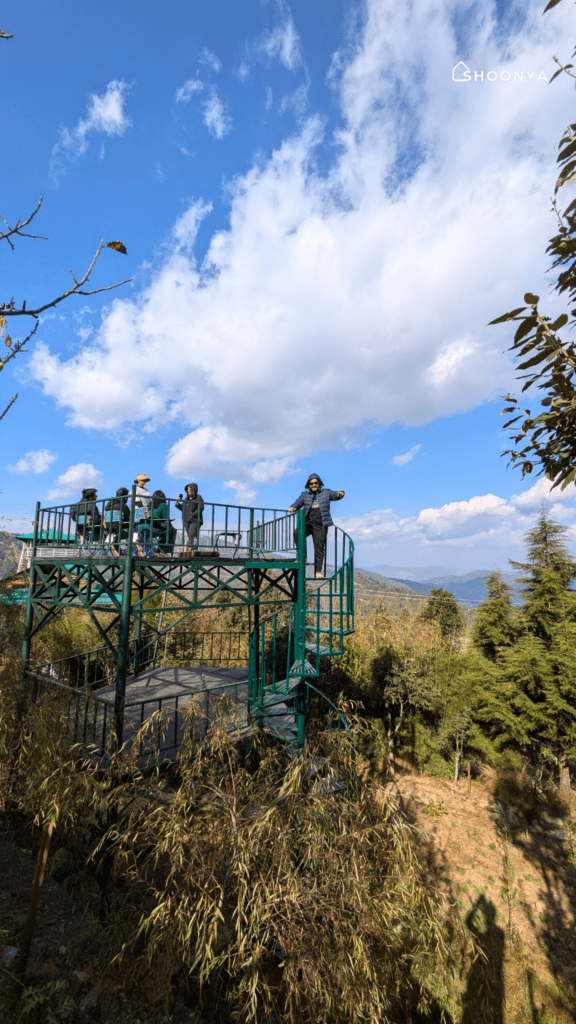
(548,439)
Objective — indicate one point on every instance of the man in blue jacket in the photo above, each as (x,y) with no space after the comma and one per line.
(315,499)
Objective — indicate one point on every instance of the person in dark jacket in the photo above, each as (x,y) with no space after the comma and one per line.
(191,508)
(315,500)
(87,517)
(116,515)
(162,530)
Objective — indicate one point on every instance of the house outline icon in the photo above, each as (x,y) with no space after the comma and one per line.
(461,72)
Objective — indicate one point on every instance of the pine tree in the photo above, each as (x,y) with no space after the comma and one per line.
(540,670)
(442,607)
(495,627)
(545,579)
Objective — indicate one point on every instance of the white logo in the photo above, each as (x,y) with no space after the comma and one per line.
(462,73)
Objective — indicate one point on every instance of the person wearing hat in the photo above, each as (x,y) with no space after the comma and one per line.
(143,496)
(142,504)
(315,500)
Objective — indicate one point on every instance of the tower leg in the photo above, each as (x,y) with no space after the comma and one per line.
(28,622)
(124,638)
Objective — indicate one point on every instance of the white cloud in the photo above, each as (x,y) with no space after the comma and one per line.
(402,460)
(71,483)
(214,113)
(186,227)
(105,114)
(297,101)
(474,532)
(340,302)
(215,116)
(185,92)
(34,462)
(210,60)
(282,43)
(244,493)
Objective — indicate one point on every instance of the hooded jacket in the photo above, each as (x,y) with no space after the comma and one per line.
(86,508)
(192,508)
(118,506)
(324,496)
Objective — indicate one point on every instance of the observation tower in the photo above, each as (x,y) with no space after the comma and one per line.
(140,587)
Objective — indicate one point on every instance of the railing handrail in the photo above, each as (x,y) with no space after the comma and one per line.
(147,522)
(126,498)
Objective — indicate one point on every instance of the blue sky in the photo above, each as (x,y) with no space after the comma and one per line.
(320,222)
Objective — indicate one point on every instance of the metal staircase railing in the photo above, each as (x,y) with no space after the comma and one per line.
(279,666)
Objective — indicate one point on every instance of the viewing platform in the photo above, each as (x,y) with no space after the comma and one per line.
(129,569)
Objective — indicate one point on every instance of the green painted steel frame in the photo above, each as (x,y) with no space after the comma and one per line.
(127,588)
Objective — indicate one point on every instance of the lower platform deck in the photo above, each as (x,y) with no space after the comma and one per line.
(173,700)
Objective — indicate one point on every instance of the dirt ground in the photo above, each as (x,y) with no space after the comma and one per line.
(513,871)
(69,964)
(518,869)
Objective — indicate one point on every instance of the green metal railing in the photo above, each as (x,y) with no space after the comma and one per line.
(92,718)
(107,526)
(279,666)
(97,668)
(330,607)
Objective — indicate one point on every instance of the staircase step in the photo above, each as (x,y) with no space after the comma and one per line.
(270,699)
(326,787)
(313,764)
(283,732)
(309,669)
(318,649)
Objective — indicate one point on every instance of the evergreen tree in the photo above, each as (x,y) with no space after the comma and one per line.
(539,672)
(495,627)
(442,607)
(545,579)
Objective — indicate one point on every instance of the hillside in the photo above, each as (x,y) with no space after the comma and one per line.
(468,588)
(9,553)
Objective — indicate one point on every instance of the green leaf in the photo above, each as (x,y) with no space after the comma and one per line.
(564,180)
(560,322)
(550,5)
(507,316)
(555,75)
(568,150)
(525,328)
(533,300)
(532,362)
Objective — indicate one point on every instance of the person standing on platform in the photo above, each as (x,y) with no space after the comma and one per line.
(315,500)
(142,505)
(87,516)
(191,508)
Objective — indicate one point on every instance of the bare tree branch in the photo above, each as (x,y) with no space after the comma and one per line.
(17,229)
(9,309)
(9,406)
(18,346)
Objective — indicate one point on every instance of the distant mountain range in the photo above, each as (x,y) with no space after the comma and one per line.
(469,587)
(418,572)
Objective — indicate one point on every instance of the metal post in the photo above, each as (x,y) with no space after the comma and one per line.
(29,619)
(251,535)
(124,638)
(300,626)
(138,636)
(254,575)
